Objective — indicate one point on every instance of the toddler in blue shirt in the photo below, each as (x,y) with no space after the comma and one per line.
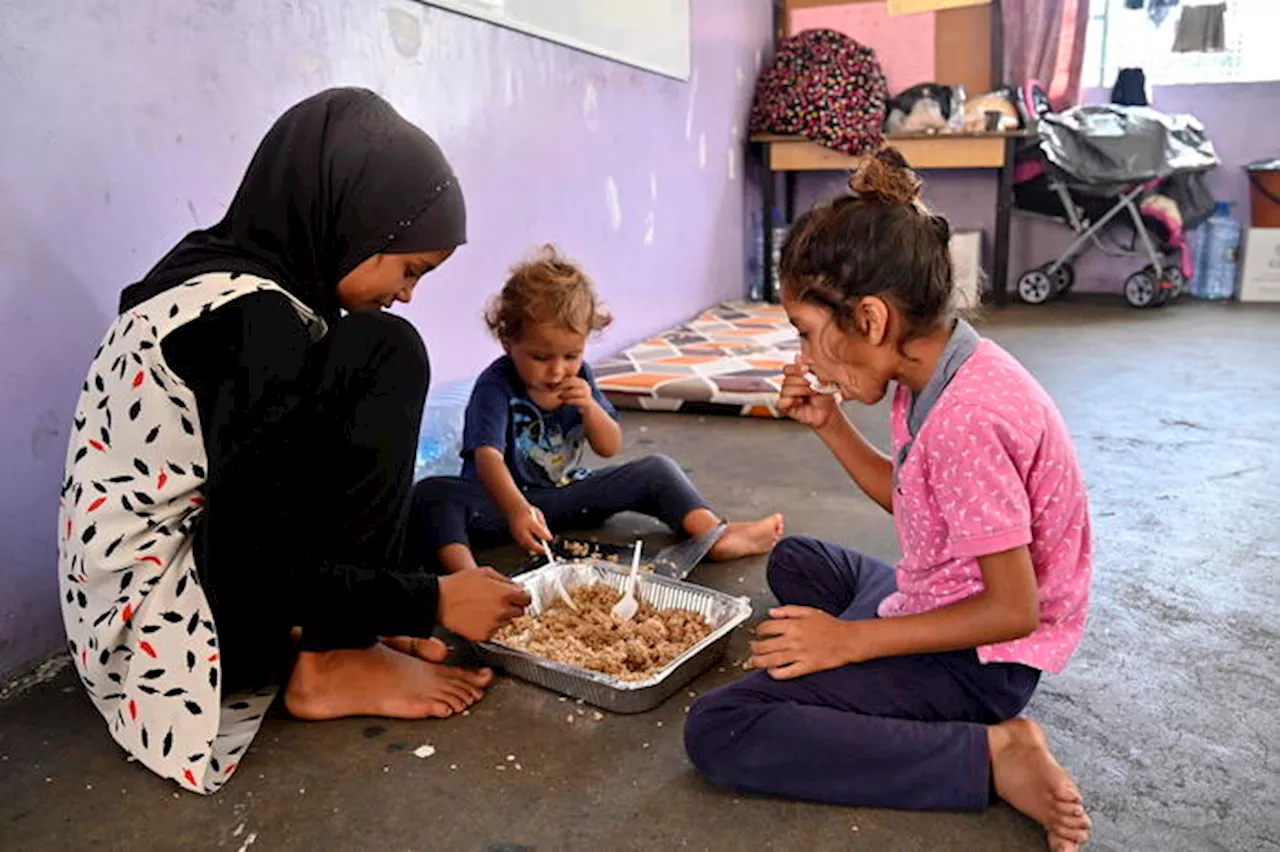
(531,415)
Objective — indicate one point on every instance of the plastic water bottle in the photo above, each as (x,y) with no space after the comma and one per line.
(780,230)
(1195,248)
(956,119)
(755,258)
(1221,257)
(440,439)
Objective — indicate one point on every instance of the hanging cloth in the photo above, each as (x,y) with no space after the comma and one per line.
(1158,10)
(1201,29)
(1130,88)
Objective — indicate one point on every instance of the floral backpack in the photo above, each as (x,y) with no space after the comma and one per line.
(825,87)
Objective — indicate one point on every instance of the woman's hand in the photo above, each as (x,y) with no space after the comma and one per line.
(529,528)
(475,602)
(798,400)
(800,640)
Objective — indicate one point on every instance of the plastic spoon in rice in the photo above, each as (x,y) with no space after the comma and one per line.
(626,609)
(564,593)
(551,561)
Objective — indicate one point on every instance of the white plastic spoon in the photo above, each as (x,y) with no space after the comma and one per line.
(626,609)
(555,576)
(818,386)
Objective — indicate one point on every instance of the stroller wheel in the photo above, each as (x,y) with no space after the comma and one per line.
(1178,284)
(1035,287)
(1064,279)
(1141,290)
(1165,287)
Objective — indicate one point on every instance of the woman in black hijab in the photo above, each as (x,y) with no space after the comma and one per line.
(190,551)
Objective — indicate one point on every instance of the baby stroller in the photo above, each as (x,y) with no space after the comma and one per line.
(1099,168)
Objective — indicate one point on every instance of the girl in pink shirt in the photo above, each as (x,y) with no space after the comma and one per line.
(901,687)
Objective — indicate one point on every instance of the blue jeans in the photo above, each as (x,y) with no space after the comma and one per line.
(898,732)
(452,510)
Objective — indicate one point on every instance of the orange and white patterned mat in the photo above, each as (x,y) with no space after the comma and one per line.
(728,360)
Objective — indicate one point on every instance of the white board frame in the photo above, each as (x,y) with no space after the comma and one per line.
(493,12)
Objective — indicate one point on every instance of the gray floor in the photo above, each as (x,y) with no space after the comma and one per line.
(1167,715)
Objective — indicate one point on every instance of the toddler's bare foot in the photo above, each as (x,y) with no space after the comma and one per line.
(380,681)
(1029,778)
(747,538)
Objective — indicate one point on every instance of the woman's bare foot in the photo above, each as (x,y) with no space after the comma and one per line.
(747,538)
(1029,778)
(432,650)
(380,681)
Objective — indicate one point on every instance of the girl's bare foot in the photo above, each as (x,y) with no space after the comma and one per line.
(747,538)
(1029,778)
(381,681)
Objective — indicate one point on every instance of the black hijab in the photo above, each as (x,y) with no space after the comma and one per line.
(338,178)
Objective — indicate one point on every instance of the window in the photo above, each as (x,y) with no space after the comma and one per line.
(1120,37)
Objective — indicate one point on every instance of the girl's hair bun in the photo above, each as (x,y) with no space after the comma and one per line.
(838,252)
(885,176)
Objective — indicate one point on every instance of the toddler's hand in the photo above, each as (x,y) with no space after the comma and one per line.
(529,528)
(576,391)
(798,400)
(475,602)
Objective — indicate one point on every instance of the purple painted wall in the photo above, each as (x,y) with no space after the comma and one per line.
(1242,119)
(130,123)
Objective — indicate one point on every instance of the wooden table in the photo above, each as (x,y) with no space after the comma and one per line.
(792,154)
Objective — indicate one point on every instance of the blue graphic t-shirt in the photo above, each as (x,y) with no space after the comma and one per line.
(543,449)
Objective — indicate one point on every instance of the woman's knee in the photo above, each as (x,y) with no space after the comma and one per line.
(385,340)
(436,493)
(434,487)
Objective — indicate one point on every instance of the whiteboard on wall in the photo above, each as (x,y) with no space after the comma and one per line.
(650,34)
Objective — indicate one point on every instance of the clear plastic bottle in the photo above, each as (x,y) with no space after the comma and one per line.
(780,231)
(1222,238)
(755,257)
(1195,247)
(956,121)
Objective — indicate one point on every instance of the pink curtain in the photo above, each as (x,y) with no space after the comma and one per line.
(1044,41)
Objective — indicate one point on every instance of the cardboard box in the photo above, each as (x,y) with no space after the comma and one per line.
(1260,281)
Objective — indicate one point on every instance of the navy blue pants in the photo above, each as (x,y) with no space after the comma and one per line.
(899,732)
(452,510)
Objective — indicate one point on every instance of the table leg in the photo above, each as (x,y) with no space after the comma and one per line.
(1004,211)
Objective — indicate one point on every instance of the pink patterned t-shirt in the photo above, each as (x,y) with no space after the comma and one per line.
(993,469)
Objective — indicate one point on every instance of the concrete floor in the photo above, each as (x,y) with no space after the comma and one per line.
(1167,714)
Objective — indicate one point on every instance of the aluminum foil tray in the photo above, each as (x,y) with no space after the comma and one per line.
(724,612)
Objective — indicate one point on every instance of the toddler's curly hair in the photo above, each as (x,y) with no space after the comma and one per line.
(547,288)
